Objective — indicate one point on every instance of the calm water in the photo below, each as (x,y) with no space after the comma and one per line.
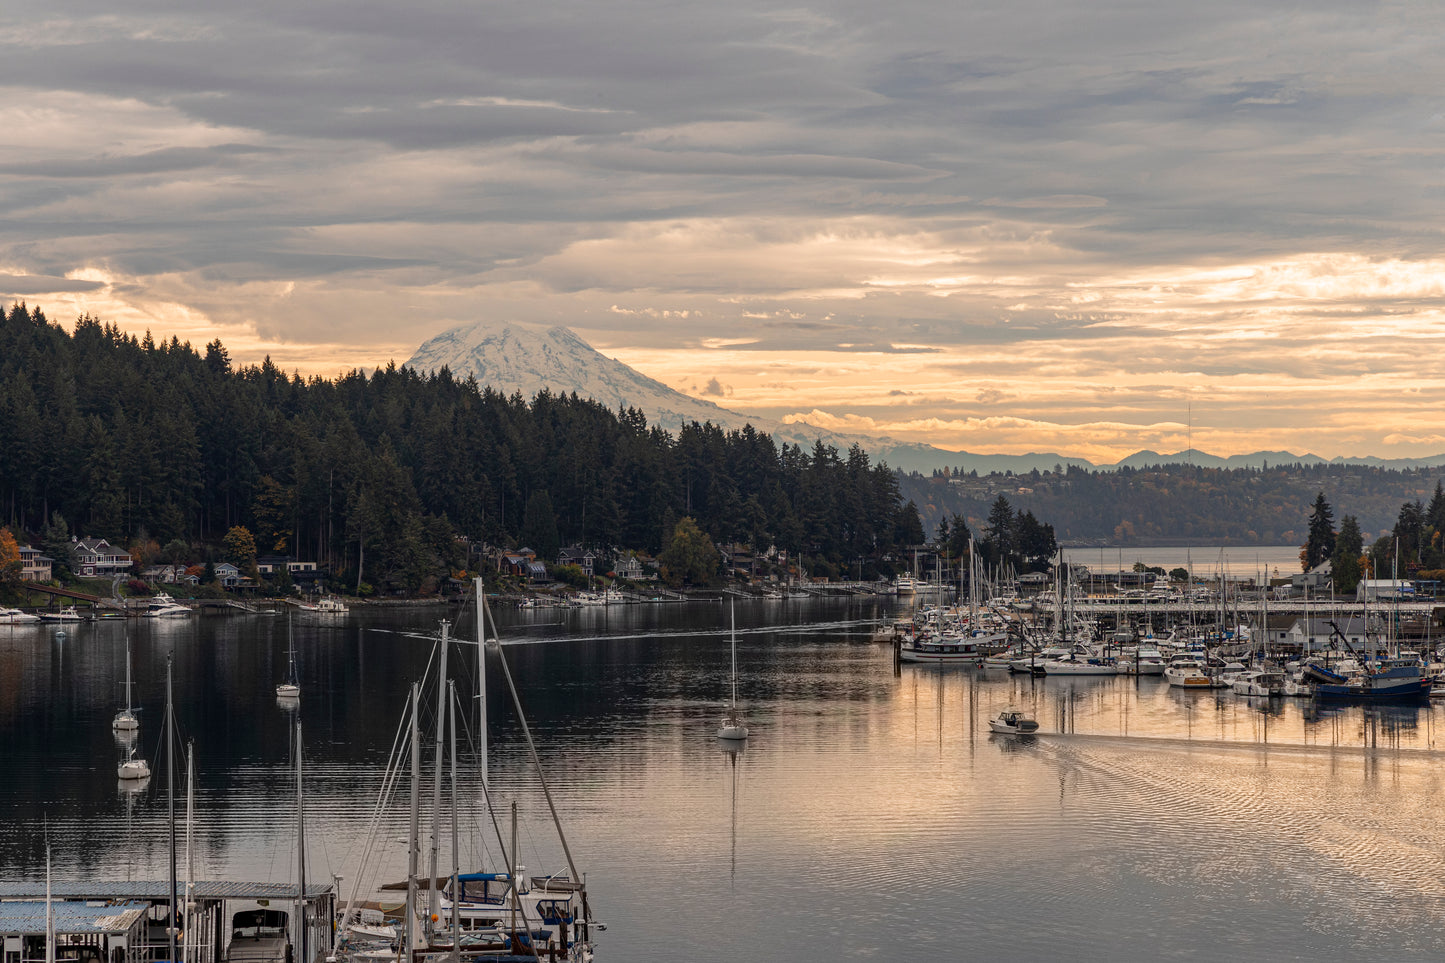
(871,815)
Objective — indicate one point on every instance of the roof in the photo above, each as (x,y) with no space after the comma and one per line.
(158,889)
(28,918)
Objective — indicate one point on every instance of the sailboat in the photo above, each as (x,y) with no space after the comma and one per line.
(502,914)
(125,720)
(291,688)
(732,727)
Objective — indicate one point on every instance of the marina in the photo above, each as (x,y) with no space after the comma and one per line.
(873,792)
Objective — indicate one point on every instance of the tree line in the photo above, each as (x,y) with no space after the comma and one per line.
(387,477)
(1176,504)
(1413,549)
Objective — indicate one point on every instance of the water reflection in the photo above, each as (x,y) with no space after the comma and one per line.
(1148,821)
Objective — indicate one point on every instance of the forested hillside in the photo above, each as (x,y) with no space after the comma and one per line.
(1180,504)
(132,439)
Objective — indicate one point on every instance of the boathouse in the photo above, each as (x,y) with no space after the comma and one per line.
(125,922)
(90,931)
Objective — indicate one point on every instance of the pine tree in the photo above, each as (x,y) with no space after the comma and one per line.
(1321,544)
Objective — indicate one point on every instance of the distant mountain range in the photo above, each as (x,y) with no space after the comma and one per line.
(521,358)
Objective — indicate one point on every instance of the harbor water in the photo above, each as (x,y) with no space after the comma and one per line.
(870,815)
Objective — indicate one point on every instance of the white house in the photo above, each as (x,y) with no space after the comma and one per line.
(34,567)
(97,558)
(1315,634)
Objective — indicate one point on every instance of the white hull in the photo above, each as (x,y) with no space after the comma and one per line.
(940,658)
(17,617)
(133,769)
(125,722)
(287,691)
(1079,668)
(733,733)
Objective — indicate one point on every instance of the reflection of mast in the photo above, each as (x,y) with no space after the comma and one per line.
(733,828)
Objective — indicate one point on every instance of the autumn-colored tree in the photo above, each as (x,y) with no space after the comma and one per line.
(240,549)
(10,566)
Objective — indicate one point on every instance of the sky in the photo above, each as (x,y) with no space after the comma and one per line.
(1089,228)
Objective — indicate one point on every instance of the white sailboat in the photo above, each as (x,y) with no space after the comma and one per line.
(291,688)
(732,728)
(125,720)
(133,768)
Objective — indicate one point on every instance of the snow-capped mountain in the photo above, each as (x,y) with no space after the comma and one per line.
(522,358)
(517,358)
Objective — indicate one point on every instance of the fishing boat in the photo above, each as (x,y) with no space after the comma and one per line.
(1013,722)
(65,614)
(1397,681)
(732,728)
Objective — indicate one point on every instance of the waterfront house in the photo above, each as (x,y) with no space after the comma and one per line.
(97,558)
(629,567)
(35,567)
(516,563)
(580,557)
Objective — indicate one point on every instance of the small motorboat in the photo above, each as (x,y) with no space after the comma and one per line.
(1013,722)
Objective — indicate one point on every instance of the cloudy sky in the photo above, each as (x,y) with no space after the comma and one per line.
(1080,227)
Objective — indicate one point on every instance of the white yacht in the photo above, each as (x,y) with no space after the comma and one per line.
(163,606)
(1188,673)
(16,617)
(66,614)
(1259,682)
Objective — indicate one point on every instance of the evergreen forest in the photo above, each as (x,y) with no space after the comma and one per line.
(389,477)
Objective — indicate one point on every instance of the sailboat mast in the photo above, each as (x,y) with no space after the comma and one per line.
(190,846)
(300,852)
(171,805)
(733,617)
(49,907)
(456,853)
(436,795)
(413,855)
(482,613)
(127,672)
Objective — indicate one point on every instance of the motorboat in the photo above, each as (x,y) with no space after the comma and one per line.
(1188,673)
(330,605)
(163,606)
(1013,722)
(16,617)
(66,614)
(944,650)
(1259,682)
(1074,664)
